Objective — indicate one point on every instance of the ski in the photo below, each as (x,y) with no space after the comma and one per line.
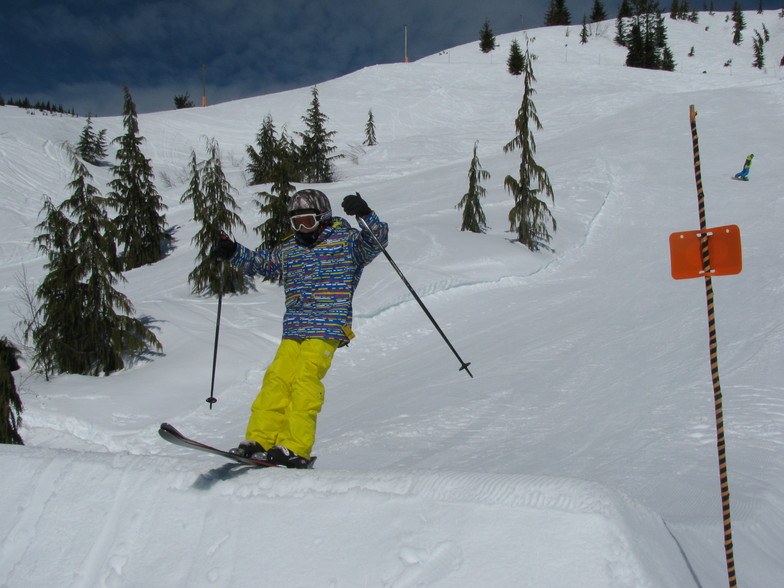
(741,179)
(172,435)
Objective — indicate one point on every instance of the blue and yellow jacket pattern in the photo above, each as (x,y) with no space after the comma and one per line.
(318,281)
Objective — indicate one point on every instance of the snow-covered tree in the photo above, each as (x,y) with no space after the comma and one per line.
(140,220)
(622,23)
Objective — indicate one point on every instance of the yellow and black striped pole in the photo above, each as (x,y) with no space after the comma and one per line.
(714,359)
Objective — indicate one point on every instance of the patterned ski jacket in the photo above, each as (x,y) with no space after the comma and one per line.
(318,281)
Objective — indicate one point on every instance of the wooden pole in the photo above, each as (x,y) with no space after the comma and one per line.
(714,360)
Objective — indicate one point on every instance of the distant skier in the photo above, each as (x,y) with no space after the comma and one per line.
(744,174)
(320,265)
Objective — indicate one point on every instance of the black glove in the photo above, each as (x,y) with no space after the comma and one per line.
(224,248)
(354,205)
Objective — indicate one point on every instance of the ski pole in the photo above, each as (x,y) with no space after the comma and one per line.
(463,365)
(212,400)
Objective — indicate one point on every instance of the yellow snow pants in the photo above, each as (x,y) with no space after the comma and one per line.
(291,396)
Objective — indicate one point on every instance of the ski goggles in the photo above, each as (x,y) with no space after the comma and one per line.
(306,221)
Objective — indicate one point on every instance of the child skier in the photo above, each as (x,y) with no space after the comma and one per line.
(320,265)
(744,174)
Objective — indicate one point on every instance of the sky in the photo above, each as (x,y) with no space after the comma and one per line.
(80,53)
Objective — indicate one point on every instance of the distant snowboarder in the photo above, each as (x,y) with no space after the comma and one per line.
(744,174)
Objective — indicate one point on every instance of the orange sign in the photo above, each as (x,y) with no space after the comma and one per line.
(724,251)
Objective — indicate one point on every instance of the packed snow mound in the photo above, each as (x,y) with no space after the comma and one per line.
(111,520)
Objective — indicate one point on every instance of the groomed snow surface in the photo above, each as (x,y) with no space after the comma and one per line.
(583,451)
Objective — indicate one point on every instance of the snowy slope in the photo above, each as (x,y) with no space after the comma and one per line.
(583,451)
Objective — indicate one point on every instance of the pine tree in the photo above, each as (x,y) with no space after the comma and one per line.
(274,204)
(530,217)
(370,131)
(140,221)
(557,14)
(668,61)
(316,149)
(584,32)
(262,161)
(621,24)
(91,147)
(759,51)
(214,207)
(647,40)
(515,63)
(598,13)
(183,101)
(740,23)
(78,328)
(486,38)
(10,403)
(473,215)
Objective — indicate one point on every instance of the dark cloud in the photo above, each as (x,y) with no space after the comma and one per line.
(80,53)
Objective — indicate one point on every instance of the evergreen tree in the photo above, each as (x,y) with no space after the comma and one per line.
(183,101)
(487,38)
(584,32)
(91,147)
(10,403)
(515,63)
(557,14)
(214,207)
(274,204)
(262,161)
(530,217)
(370,131)
(635,57)
(140,221)
(668,61)
(473,215)
(317,147)
(78,328)
(740,23)
(598,13)
(647,40)
(759,51)
(621,24)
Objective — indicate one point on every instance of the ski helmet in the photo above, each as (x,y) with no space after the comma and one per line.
(310,200)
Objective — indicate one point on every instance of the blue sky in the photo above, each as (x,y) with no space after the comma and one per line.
(80,53)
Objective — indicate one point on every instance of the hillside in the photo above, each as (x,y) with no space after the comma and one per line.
(582,453)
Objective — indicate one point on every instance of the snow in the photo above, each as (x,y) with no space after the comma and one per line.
(583,451)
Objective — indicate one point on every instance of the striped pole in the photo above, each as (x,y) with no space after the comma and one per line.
(714,359)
